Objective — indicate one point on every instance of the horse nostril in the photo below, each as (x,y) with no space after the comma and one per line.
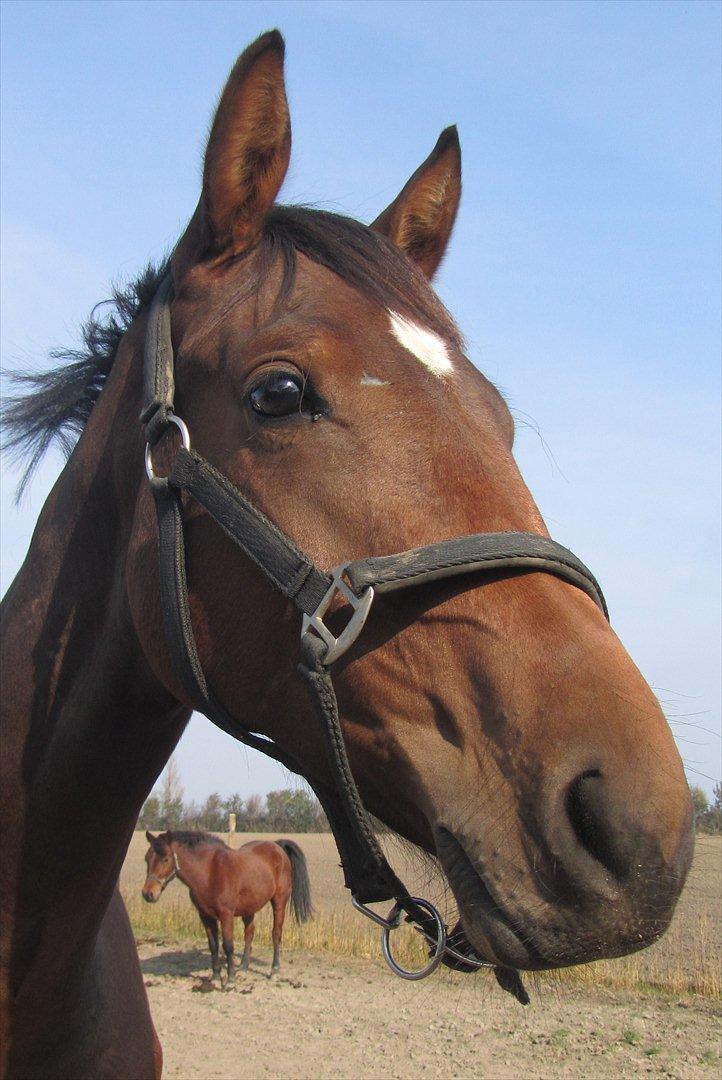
(596,825)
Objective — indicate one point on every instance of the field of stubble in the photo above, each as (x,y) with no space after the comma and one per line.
(336,1010)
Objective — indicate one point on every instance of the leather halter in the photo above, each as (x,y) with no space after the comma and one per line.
(163,881)
(367,873)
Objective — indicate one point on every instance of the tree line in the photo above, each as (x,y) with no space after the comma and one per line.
(291,810)
(708,816)
(287,810)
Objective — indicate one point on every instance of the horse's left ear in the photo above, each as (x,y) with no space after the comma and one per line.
(421,218)
(149,837)
(246,157)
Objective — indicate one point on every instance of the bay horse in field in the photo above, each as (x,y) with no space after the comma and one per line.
(503,727)
(224,883)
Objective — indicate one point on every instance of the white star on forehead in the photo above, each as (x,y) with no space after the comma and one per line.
(372,380)
(424,344)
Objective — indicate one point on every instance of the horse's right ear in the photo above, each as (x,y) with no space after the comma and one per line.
(246,157)
(149,837)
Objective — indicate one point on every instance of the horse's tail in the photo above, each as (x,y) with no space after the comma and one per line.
(300,884)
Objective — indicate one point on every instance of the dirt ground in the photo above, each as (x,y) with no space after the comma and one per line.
(326,1016)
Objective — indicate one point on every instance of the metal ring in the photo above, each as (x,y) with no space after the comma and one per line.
(185,436)
(439,949)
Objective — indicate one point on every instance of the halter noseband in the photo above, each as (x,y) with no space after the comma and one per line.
(367,872)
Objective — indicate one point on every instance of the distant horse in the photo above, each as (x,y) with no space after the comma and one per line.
(224,883)
(495,720)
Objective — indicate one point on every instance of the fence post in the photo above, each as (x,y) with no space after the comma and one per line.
(231,828)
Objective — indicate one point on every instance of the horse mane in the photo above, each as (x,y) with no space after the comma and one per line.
(189,838)
(54,405)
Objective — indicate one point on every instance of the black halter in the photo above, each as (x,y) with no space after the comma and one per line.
(367,873)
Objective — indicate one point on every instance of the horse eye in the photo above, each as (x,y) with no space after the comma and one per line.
(277,394)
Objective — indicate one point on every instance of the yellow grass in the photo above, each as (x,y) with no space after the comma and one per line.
(688,959)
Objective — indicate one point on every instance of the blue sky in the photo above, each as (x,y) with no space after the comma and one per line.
(584,269)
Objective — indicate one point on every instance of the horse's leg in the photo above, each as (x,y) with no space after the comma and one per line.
(211,926)
(250,929)
(279,905)
(227,931)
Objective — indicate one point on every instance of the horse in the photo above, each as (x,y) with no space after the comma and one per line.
(495,720)
(224,883)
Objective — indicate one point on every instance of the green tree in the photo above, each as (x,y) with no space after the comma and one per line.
(253,815)
(711,820)
(699,802)
(291,811)
(234,804)
(320,821)
(150,814)
(171,798)
(212,816)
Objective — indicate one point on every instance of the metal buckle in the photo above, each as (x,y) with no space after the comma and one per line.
(185,436)
(392,922)
(361,605)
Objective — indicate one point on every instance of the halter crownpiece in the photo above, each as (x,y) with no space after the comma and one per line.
(367,872)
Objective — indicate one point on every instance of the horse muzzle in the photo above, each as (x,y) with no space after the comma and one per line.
(560,907)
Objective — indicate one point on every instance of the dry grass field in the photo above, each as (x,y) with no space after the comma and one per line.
(336,1011)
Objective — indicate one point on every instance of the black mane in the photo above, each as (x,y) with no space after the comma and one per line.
(189,838)
(56,403)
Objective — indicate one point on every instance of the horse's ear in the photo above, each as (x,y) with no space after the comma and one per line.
(421,218)
(149,837)
(246,157)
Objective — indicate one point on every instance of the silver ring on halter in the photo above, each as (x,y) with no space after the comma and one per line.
(394,917)
(392,922)
(185,436)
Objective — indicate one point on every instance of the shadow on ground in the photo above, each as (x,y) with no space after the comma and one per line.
(189,963)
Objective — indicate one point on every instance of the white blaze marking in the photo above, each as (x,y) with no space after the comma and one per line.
(425,345)
(372,380)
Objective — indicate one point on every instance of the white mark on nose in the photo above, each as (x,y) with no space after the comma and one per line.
(424,344)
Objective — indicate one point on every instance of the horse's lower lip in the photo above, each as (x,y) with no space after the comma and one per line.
(488,927)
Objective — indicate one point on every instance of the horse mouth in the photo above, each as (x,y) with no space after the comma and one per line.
(486,923)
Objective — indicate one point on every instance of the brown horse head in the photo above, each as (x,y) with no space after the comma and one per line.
(499,724)
(162,866)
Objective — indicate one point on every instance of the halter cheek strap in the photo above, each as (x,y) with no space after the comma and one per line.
(367,872)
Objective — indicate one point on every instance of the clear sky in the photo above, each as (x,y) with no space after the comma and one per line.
(584,270)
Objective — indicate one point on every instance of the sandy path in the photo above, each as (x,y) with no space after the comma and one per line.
(331,1017)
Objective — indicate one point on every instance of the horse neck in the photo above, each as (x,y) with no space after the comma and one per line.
(87,728)
(191,864)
